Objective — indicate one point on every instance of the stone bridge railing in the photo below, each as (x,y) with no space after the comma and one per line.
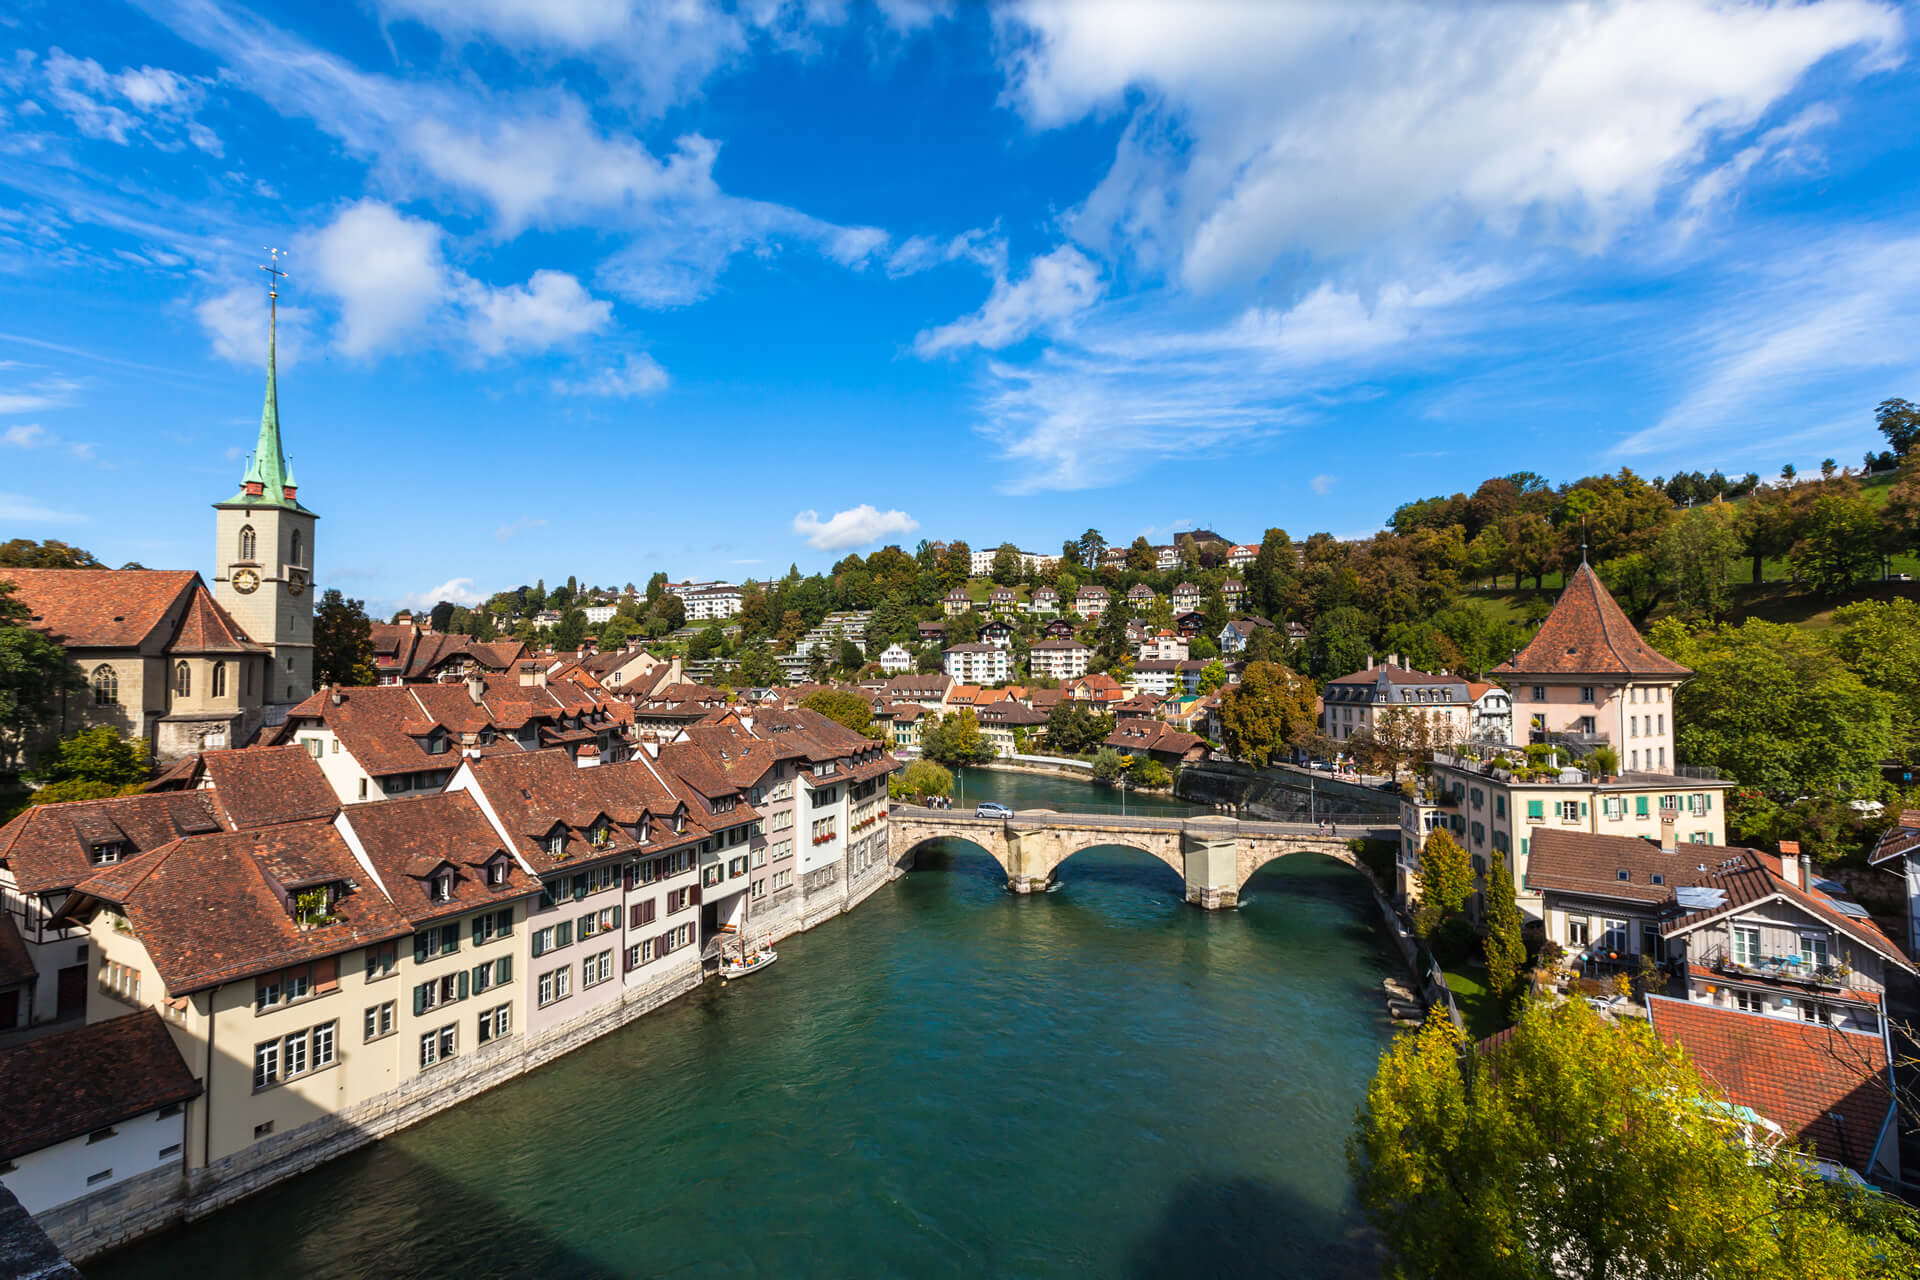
(1214,855)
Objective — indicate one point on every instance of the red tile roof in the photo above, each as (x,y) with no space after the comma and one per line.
(1587,634)
(99,608)
(71,1083)
(1797,1074)
(210,909)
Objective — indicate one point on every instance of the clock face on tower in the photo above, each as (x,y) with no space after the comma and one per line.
(245,581)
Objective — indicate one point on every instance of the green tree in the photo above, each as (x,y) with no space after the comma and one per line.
(1694,558)
(1576,1147)
(1774,708)
(1107,764)
(100,755)
(1446,881)
(844,708)
(343,642)
(1899,422)
(1506,951)
(1838,544)
(25,553)
(955,739)
(1879,640)
(35,673)
(1266,711)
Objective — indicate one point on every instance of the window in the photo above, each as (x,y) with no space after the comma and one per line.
(379,1020)
(249,544)
(381,959)
(1746,944)
(219,679)
(436,1046)
(495,1023)
(106,686)
(182,680)
(555,984)
(596,969)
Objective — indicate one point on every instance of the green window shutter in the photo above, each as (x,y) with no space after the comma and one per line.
(463,986)
(419,999)
(503,970)
(563,933)
(419,948)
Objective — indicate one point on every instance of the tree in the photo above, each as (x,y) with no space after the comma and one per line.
(1265,712)
(35,673)
(1774,708)
(343,642)
(1446,881)
(1107,764)
(1879,640)
(1899,422)
(1074,727)
(955,739)
(1576,1147)
(1839,543)
(843,708)
(1694,557)
(25,553)
(1506,951)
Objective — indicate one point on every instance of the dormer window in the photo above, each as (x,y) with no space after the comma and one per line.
(443,887)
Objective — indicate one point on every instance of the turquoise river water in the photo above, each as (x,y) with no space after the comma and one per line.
(950,1081)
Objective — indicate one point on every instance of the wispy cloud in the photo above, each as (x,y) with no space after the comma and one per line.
(855,527)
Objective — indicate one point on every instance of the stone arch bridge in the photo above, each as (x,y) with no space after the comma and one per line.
(1214,855)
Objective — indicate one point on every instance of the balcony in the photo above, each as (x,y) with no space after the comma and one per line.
(1789,968)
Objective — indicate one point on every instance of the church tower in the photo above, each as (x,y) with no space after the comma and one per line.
(263,547)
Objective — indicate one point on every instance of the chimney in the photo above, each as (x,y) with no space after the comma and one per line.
(476,688)
(1790,864)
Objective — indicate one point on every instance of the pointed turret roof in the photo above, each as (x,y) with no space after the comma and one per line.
(268,469)
(1588,634)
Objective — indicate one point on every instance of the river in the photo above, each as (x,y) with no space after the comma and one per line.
(950,1081)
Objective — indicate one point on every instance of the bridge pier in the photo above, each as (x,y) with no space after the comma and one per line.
(1213,870)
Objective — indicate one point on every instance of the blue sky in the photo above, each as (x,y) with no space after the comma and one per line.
(609,286)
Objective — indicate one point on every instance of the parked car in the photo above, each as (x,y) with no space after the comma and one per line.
(991,809)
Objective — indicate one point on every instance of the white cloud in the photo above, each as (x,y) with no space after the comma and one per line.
(1057,287)
(27,510)
(1814,333)
(157,102)
(855,527)
(460,591)
(1321,484)
(506,531)
(389,276)
(1326,130)
(236,321)
(638,374)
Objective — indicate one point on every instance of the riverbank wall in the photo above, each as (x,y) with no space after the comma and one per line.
(127,1212)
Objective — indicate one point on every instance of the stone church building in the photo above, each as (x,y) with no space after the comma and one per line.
(167,659)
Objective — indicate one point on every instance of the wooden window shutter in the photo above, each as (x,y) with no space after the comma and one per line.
(326,974)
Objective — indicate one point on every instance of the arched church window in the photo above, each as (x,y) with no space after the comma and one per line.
(247,542)
(106,686)
(219,679)
(182,680)
(299,548)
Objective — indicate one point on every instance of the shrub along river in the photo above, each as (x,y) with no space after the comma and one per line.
(950,1081)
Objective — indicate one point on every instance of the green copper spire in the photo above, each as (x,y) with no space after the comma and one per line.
(269,481)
